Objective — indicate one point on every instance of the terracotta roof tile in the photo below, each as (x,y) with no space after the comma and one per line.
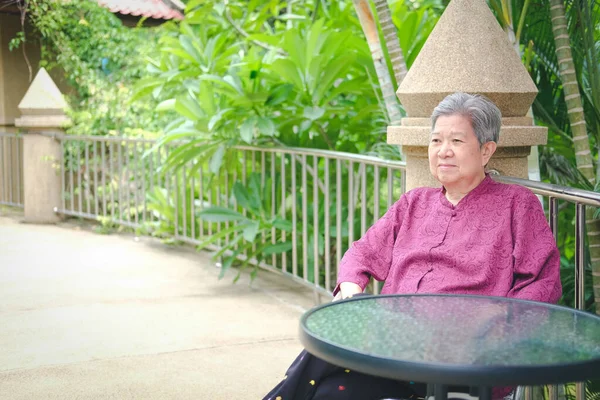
(146,8)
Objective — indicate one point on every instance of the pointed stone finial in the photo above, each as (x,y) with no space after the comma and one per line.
(468,52)
(43,106)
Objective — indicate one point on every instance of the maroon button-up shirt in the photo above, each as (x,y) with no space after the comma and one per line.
(495,241)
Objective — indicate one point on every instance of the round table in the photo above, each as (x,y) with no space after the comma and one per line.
(453,339)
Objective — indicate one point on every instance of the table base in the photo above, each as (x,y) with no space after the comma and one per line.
(440,392)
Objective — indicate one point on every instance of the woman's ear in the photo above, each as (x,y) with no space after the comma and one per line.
(487,151)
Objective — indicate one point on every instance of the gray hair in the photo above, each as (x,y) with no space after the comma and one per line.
(485,116)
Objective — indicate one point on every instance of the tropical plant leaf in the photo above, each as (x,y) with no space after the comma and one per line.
(283,224)
(265,126)
(279,94)
(188,107)
(217,159)
(220,214)
(254,192)
(277,248)
(265,38)
(220,235)
(247,130)
(241,195)
(251,230)
(189,49)
(288,70)
(334,70)
(313,113)
(230,260)
(166,105)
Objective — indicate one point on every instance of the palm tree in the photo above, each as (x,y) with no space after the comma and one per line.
(571,90)
(370,29)
(583,154)
(390,35)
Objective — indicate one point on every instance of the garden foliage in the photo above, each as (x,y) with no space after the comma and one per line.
(100,59)
(272,73)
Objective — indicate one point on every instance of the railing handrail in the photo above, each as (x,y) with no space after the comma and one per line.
(332,154)
(570,194)
(548,189)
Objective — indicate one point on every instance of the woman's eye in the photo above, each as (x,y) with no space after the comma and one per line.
(435,140)
(457,141)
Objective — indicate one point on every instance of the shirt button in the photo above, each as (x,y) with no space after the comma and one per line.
(454,213)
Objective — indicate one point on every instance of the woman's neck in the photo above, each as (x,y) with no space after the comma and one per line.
(456,192)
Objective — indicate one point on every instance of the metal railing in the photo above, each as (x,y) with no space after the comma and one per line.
(107,178)
(11,169)
(581,199)
(330,198)
(119,181)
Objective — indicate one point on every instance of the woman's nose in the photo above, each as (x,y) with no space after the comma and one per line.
(445,151)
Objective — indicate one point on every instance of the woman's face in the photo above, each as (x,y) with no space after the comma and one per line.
(454,152)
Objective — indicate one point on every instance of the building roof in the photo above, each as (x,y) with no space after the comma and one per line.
(157,9)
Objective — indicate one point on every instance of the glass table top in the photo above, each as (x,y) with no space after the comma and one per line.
(459,331)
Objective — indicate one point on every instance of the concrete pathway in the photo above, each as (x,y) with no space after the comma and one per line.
(90,316)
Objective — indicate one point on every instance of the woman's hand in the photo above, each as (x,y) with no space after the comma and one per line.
(347,290)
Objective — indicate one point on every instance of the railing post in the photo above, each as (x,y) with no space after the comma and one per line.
(553,215)
(42,117)
(580,257)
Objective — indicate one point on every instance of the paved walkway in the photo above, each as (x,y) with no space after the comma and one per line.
(90,316)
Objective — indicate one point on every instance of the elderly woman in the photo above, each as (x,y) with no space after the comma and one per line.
(471,236)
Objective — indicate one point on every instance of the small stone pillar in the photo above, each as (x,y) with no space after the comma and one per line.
(42,117)
(468,52)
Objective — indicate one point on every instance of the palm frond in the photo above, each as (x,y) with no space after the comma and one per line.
(560,170)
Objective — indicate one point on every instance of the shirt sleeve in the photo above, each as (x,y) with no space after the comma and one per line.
(371,255)
(536,273)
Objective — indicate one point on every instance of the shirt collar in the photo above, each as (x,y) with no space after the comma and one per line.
(465,200)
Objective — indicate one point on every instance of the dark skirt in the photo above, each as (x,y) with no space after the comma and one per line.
(310,378)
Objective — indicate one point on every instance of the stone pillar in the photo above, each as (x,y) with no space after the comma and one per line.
(469,52)
(42,116)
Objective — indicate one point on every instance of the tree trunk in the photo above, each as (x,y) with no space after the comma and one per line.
(583,154)
(367,22)
(390,36)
